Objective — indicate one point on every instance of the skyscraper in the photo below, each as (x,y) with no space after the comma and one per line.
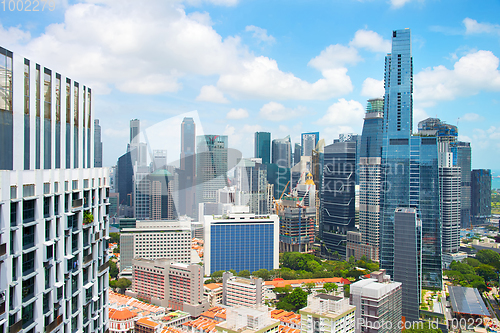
(370,175)
(282,152)
(297,152)
(252,185)
(135,129)
(462,154)
(338,208)
(211,166)
(308,141)
(187,178)
(410,165)
(53,225)
(480,196)
(97,145)
(262,146)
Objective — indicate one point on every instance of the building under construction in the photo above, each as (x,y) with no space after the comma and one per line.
(297,214)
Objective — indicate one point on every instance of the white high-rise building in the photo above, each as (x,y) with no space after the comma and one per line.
(53,204)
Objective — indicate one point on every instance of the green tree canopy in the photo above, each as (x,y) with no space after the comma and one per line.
(487,257)
(309,286)
(113,269)
(330,286)
(115,237)
(298,299)
(487,272)
(244,273)
(262,273)
(123,284)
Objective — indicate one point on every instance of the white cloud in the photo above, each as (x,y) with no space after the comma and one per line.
(471,74)
(418,115)
(260,34)
(211,94)
(472,117)
(261,78)
(370,40)
(117,133)
(278,112)
(473,27)
(151,84)
(13,35)
(237,114)
(373,88)
(398,3)
(346,113)
(242,135)
(227,3)
(335,56)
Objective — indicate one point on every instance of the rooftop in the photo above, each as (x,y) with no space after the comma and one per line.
(147,322)
(467,301)
(122,314)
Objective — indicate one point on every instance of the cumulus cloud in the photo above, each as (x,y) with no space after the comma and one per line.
(278,112)
(237,114)
(472,117)
(211,94)
(238,137)
(473,27)
(370,40)
(335,56)
(261,78)
(398,3)
(372,88)
(471,74)
(343,113)
(260,34)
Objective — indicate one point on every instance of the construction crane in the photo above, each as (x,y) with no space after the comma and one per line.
(276,204)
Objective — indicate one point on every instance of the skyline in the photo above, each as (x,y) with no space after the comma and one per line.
(244,66)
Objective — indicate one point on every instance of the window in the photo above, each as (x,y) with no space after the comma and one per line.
(28,211)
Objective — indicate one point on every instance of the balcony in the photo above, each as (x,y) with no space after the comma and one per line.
(87,259)
(53,325)
(103,267)
(16,327)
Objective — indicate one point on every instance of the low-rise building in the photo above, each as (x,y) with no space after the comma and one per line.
(287,319)
(213,293)
(249,320)
(327,313)
(241,291)
(145,325)
(121,321)
(378,303)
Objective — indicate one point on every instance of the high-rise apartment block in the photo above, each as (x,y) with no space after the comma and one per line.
(166,283)
(240,291)
(240,242)
(262,146)
(327,313)
(155,240)
(410,162)
(338,196)
(480,196)
(53,203)
(378,304)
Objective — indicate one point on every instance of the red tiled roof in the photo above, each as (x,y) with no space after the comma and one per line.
(123,314)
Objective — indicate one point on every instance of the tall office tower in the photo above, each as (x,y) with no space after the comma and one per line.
(370,177)
(410,165)
(97,145)
(263,146)
(356,138)
(53,222)
(338,210)
(161,195)
(124,179)
(378,304)
(282,152)
(308,141)
(251,183)
(480,196)
(297,213)
(211,166)
(408,259)
(187,178)
(297,153)
(135,130)
(141,195)
(159,160)
(450,176)
(240,242)
(462,154)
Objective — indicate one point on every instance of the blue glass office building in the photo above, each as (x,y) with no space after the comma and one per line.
(263,146)
(410,165)
(241,242)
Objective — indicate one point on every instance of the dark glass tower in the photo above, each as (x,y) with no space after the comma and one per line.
(338,197)
(263,146)
(309,142)
(282,152)
(480,196)
(410,165)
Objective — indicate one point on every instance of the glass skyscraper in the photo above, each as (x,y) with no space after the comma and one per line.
(211,166)
(410,165)
(282,152)
(263,146)
(309,142)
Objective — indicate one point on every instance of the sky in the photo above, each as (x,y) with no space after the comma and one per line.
(285,67)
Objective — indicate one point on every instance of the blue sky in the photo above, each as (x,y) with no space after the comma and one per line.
(280,66)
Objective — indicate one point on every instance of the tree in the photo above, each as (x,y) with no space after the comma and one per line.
(298,298)
(347,289)
(352,260)
(329,287)
(123,284)
(113,269)
(116,249)
(217,276)
(115,237)
(262,273)
(313,266)
(487,272)
(112,284)
(487,257)
(244,273)
(309,286)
